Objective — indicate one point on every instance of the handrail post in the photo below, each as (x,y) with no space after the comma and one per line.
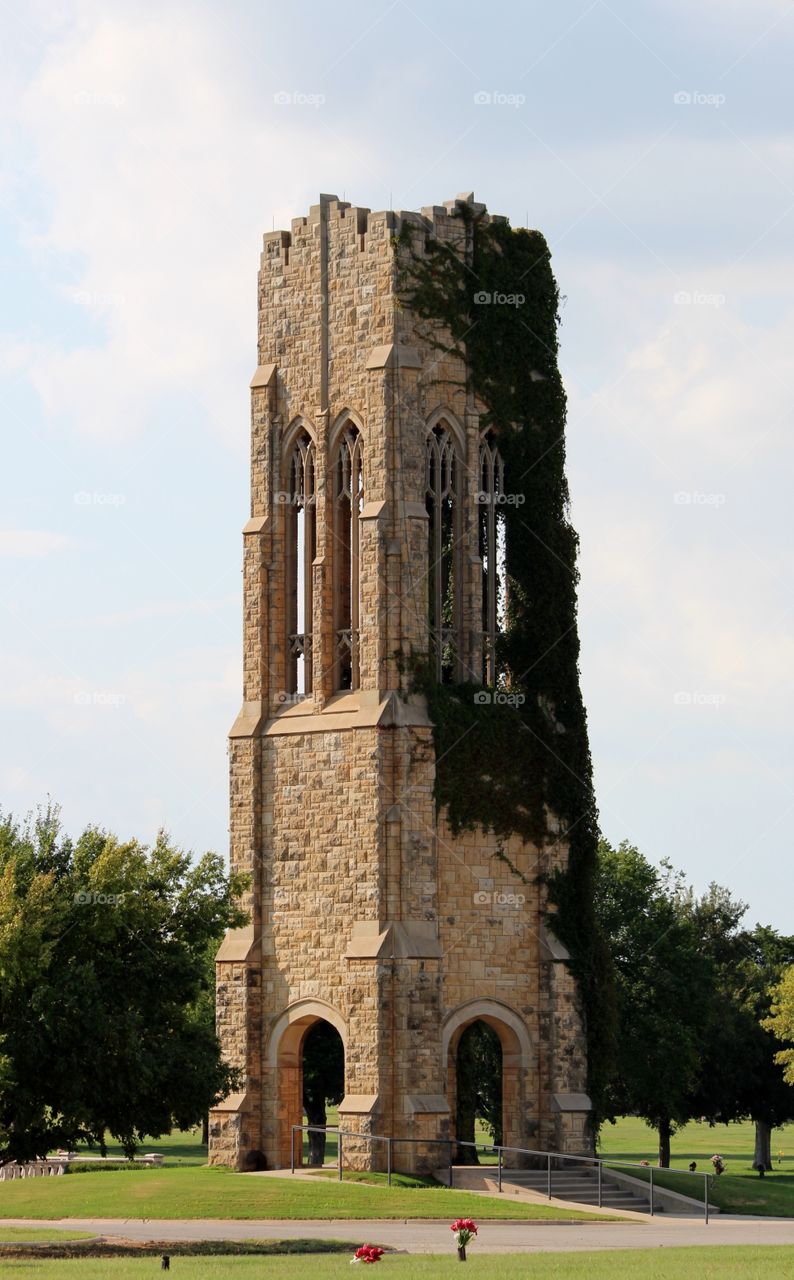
(600,1180)
(500,1170)
(339,1153)
(292,1151)
(651,1186)
(706,1197)
(388,1159)
(548,1175)
(450,1164)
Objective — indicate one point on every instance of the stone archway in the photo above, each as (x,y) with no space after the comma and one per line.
(285,1059)
(516,1059)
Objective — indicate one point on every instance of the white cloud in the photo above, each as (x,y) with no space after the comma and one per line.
(160,175)
(34,544)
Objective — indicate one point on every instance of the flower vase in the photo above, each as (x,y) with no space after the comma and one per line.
(461,1253)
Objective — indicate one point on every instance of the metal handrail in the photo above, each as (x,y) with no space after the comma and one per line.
(498,1150)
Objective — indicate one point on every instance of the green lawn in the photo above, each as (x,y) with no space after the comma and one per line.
(739,1189)
(189,1192)
(178,1148)
(742,1263)
(26,1235)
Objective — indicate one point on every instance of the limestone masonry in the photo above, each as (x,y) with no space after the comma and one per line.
(367,541)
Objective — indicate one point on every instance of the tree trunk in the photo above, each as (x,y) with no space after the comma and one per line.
(763,1146)
(205,1130)
(316,1115)
(664,1144)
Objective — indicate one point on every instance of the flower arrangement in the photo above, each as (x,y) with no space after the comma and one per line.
(719,1164)
(646,1164)
(367,1253)
(463,1230)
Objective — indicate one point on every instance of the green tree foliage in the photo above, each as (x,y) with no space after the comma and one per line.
(781,1021)
(693,998)
(663,990)
(323,1080)
(104,1020)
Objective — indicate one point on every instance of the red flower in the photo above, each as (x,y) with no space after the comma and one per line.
(464,1224)
(368,1253)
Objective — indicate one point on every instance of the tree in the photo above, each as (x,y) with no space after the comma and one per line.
(323,1081)
(739,1075)
(103,951)
(781,1021)
(662,989)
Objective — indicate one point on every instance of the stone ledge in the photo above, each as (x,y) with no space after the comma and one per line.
(263,375)
(361,1104)
(237,946)
(571,1102)
(248,722)
(411,940)
(234,1102)
(393,355)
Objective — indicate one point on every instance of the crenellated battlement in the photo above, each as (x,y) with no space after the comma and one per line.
(368,229)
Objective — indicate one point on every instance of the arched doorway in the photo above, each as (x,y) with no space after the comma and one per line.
(517,1064)
(286,1060)
(323,1069)
(478,1089)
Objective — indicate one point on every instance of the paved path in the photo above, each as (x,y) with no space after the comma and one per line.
(423,1236)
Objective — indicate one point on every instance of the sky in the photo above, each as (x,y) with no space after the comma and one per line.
(146,149)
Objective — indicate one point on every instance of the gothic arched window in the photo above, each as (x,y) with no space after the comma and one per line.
(301,546)
(348,499)
(491,535)
(444,509)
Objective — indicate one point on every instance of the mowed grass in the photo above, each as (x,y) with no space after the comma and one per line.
(739,1189)
(180,1147)
(39,1235)
(740,1263)
(188,1192)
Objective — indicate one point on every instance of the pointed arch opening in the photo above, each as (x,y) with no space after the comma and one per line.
(347,470)
(491,533)
(443,494)
(300,506)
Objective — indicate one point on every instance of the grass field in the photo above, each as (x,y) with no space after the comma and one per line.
(739,1189)
(184,1187)
(742,1263)
(217,1193)
(24,1235)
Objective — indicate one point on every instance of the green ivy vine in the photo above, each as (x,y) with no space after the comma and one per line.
(525,768)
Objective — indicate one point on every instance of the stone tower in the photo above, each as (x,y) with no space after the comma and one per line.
(365,910)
